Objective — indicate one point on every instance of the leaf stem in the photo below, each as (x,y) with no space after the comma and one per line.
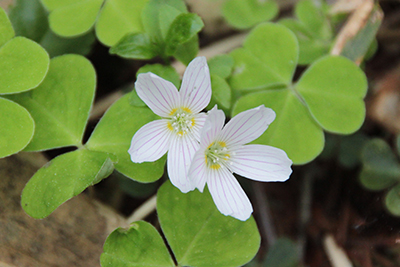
(144,210)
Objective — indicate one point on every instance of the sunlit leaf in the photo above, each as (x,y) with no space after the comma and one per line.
(140,245)
(135,46)
(334,88)
(199,235)
(61,104)
(113,134)
(6,29)
(117,18)
(16,128)
(63,178)
(243,14)
(221,65)
(293,130)
(23,65)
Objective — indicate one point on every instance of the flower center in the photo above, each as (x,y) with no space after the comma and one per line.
(181,121)
(216,154)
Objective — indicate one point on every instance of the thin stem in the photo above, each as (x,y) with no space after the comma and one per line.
(267,226)
(144,210)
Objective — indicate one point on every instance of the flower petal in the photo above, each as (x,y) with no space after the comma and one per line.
(180,154)
(150,142)
(195,90)
(247,126)
(212,126)
(160,95)
(199,120)
(261,163)
(228,195)
(198,170)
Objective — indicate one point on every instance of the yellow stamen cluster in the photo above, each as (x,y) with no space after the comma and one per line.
(216,154)
(181,121)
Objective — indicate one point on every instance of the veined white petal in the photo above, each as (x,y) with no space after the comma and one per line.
(180,154)
(247,126)
(198,170)
(228,195)
(195,90)
(199,120)
(160,95)
(261,163)
(150,142)
(212,126)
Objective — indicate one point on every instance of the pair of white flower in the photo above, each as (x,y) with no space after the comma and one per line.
(200,149)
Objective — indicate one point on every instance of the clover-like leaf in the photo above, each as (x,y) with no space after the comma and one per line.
(61,104)
(166,72)
(113,134)
(221,93)
(221,65)
(23,65)
(243,14)
(16,127)
(140,245)
(293,130)
(199,235)
(117,18)
(136,46)
(268,58)
(392,200)
(72,17)
(334,88)
(6,29)
(184,27)
(63,178)
(381,168)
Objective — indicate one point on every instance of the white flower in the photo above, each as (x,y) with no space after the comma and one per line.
(179,130)
(222,152)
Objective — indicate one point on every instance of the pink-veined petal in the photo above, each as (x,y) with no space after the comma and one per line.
(198,170)
(160,95)
(180,154)
(199,120)
(228,195)
(212,126)
(150,142)
(247,126)
(261,163)
(195,90)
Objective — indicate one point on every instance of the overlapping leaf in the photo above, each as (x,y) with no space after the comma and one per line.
(329,95)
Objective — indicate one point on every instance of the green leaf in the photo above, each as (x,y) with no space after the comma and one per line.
(381,168)
(166,72)
(57,46)
(311,47)
(293,130)
(136,46)
(221,65)
(61,104)
(350,149)
(53,4)
(186,52)
(74,17)
(221,93)
(113,134)
(283,253)
(184,27)
(140,245)
(16,128)
(63,178)
(29,19)
(158,15)
(199,235)
(6,29)
(23,65)
(244,14)
(117,18)
(334,88)
(311,14)
(268,58)
(392,200)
